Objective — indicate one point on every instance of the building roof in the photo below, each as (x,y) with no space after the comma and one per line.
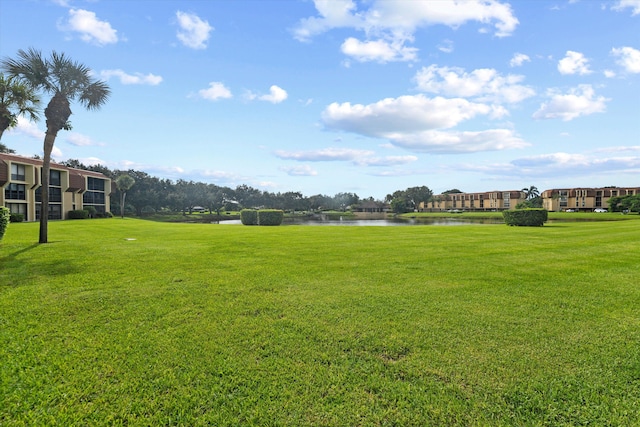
(77,181)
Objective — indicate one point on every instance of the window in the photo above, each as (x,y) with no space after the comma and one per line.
(93,198)
(95,184)
(18,172)
(15,192)
(54,178)
(55,211)
(18,208)
(563,199)
(55,194)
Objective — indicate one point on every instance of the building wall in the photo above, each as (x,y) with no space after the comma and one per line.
(20,187)
(583,199)
(487,201)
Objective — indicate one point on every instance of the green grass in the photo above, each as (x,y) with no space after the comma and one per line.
(206,324)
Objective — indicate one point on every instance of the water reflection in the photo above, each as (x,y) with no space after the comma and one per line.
(382,222)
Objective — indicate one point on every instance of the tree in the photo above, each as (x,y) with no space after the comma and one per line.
(16,99)
(5,149)
(531,192)
(417,195)
(66,81)
(124,182)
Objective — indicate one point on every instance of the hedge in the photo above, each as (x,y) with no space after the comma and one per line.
(525,217)
(270,217)
(249,217)
(78,214)
(16,217)
(4,220)
(261,217)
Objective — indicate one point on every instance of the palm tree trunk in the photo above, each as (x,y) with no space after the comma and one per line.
(124,195)
(49,139)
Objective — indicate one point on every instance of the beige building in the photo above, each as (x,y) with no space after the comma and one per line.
(69,188)
(583,199)
(488,201)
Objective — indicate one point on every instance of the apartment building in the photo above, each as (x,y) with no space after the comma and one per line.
(583,199)
(69,188)
(487,201)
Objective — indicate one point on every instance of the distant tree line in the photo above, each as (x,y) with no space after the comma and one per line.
(150,194)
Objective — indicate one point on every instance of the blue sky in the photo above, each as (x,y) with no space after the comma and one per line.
(332,96)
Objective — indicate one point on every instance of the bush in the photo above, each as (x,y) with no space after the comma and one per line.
(249,217)
(16,217)
(525,217)
(270,217)
(261,217)
(78,214)
(4,220)
(91,210)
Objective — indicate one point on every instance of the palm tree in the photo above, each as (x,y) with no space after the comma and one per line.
(66,81)
(531,192)
(16,99)
(124,182)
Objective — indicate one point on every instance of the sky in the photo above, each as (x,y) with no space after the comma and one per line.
(358,96)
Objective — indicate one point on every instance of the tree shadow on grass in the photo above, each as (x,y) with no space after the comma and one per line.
(13,256)
(25,269)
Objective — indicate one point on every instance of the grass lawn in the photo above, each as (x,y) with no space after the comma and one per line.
(131,322)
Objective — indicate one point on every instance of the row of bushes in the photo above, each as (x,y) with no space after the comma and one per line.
(88,213)
(526,217)
(261,216)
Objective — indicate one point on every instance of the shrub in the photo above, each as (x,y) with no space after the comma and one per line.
(78,214)
(4,220)
(249,217)
(261,217)
(525,217)
(91,210)
(270,217)
(16,217)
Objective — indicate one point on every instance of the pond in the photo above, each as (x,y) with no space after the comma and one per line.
(382,222)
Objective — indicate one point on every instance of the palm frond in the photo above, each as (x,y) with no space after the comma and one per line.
(95,95)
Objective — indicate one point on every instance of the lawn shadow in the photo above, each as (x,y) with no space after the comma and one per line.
(13,256)
(31,267)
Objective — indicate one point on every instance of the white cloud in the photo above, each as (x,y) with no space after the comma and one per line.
(574,63)
(385,161)
(484,84)
(193,31)
(91,29)
(57,155)
(560,165)
(404,114)
(215,91)
(276,95)
(378,50)
(434,141)
(519,59)
(417,122)
(131,79)
(580,101)
(623,4)
(609,74)
(304,170)
(628,58)
(446,46)
(80,140)
(27,127)
(388,25)
(92,161)
(324,155)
